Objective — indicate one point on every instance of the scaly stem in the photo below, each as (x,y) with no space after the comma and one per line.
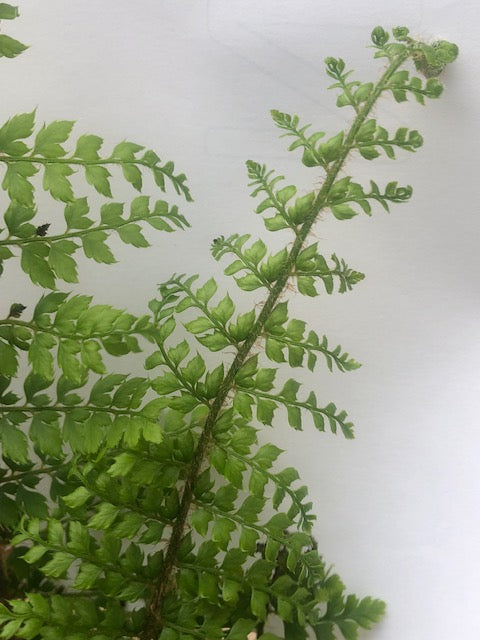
(165,581)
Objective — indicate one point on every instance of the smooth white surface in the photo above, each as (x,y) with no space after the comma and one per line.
(399,506)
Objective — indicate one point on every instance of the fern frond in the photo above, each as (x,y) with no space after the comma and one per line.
(290,344)
(345,191)
(60,323)
(290,124)
(167,519)
(46,153)
(46,258)
(9,47)
(354,93)
(116,409)
(291,217)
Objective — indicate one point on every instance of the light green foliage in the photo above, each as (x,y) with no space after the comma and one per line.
(293,215)
(9,47)
(63,324)
(168,517)
(48,258)
(25,154)
(259,270)
(354,93)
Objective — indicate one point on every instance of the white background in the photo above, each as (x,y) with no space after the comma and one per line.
(398,508)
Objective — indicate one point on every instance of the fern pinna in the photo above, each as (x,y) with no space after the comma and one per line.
(166,519)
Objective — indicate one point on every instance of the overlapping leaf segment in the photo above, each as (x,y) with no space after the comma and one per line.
(54,346)
(192,530)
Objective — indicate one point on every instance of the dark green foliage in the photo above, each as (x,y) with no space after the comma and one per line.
(147,506)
